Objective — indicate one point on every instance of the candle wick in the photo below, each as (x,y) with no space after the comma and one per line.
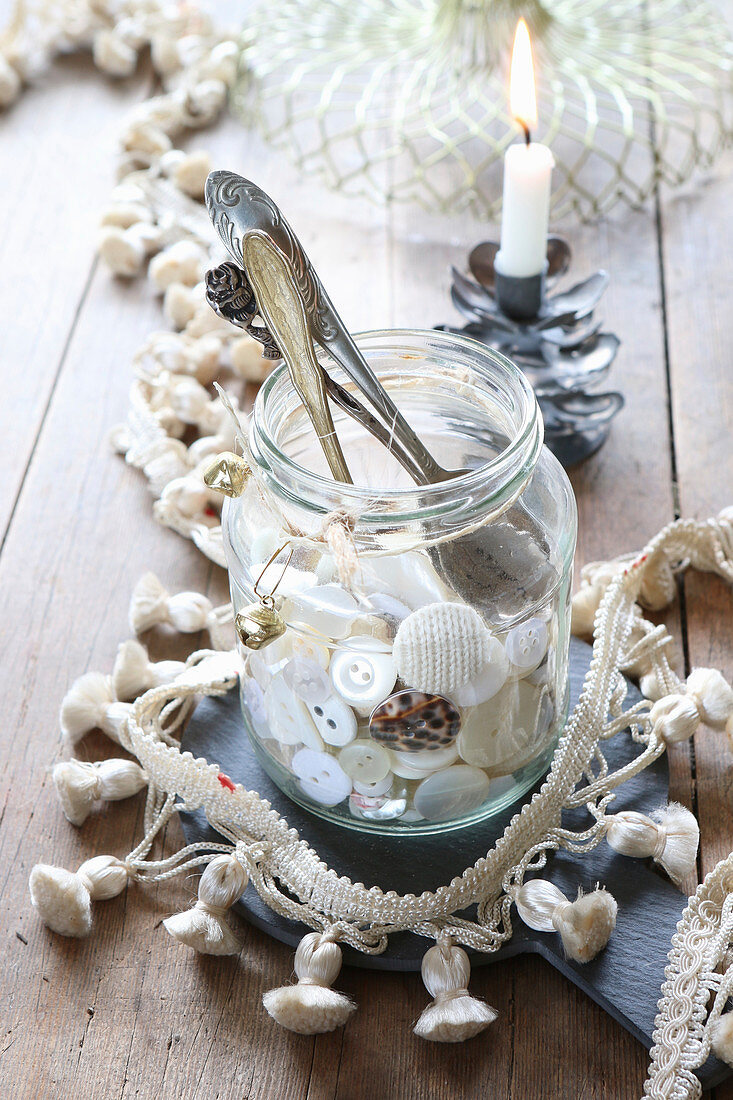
(527,135)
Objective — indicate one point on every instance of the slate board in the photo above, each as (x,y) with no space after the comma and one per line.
(626,977)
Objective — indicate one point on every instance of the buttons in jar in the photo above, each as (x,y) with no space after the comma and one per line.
(287,716)
(363,673)
(489,679)
(366,762)
(307,680)
(526,645)
(334,721)
(321,777)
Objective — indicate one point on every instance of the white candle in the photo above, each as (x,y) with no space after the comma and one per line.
(527,176)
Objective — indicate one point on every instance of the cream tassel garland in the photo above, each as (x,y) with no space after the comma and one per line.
(585,925)
(204,927)
(188,612)
(453,1015)
(722,1038)
(79,785)
(91,703)
(671,837)
(707,698)
(63,899)
(134,672)
(311,1007)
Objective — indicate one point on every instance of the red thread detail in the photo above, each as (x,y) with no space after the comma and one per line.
(209,511)
(226,782)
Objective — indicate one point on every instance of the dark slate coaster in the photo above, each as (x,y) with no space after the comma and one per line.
(626,977)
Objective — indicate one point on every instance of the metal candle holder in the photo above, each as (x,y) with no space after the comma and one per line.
(553,337)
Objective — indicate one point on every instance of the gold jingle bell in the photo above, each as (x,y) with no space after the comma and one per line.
(258,625)
(227,473)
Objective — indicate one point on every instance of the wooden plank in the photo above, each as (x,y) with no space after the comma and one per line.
(698,268)
(55,184)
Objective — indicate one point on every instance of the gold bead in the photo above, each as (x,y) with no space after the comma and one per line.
(258,625)
(227,473)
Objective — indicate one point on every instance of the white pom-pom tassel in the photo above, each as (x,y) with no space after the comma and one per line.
(311,1007)
(722,1038)
(152,605)
(707,698)
(671,838)
(89,704)
(134,672)
(453,1015)
(80,785)
(584,925)
(63,899)
(204,927)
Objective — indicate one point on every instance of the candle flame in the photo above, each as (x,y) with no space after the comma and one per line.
(522,91)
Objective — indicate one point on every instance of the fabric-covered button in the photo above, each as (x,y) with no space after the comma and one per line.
(418,765)
(335,722)
(321,777)
(365,761)
(363,673)
(526,644)
(487,681)
(411,721)
(307,679)
(452,792)
(441,646)
(288,717)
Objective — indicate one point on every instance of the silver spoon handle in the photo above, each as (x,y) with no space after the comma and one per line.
(238,206)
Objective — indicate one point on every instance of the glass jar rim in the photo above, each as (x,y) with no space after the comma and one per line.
(518,456)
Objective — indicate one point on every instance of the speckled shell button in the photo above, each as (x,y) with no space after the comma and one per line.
(307,679)
(365,761)
(334,721)
(411,721)
(321,777)
(363,673)
(288,718)
(526,645)
(490,678)
(452,792)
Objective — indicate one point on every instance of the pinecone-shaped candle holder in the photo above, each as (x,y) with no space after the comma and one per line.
(553,337)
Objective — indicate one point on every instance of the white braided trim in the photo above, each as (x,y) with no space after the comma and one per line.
(286,865)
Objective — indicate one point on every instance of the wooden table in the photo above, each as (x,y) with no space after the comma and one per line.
(127,1013)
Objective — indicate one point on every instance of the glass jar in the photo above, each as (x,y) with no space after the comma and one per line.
(420,680)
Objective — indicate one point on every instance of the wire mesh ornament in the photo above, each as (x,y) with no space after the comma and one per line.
(407,99)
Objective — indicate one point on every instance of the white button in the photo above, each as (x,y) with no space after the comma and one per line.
(526,644)
(501,735)
(263,546)
(418,765)
(288,717)
(363,674)
(321,777)
(258,669)
(451,793)
(335,722)
(253,698)
(373,790)
(304,644)
(389,610)
(410,578)
(379,808)
(307,679)
(488,680)
(327,608)
(365,761)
